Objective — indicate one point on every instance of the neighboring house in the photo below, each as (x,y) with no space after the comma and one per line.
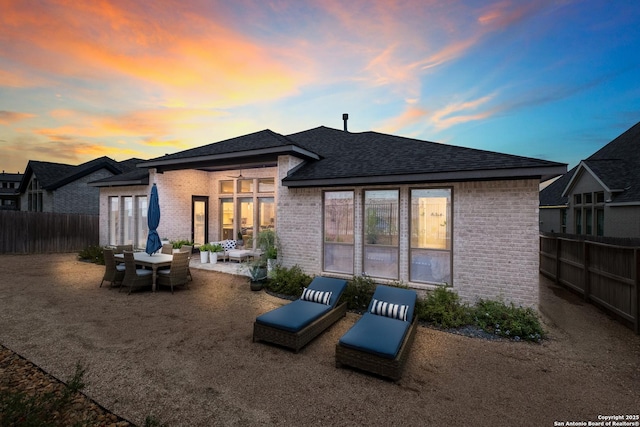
(600,196)
(343,204)
(61,188)
(9,194)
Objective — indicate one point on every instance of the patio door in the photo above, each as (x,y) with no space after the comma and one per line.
(199,220)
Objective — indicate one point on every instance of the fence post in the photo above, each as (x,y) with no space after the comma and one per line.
(585,270)
(635,295)
(558,241)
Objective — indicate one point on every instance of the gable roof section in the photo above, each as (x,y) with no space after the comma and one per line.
(552,195)
(54,175)
(616,166)
(376,158)
(259,147)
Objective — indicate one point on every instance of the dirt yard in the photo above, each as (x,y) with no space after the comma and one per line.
(187,359)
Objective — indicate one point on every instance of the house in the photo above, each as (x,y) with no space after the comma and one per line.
(9,194)
(600,196)
(343,204)
(62,188)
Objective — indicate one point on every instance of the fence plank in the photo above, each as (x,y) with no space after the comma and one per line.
(46,232)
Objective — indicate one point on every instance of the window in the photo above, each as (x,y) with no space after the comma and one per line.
(578,221)
(266,213)
(381,233)
(266,185)
(142,228)
(127,223)
(563,220)
(600,222)
(577,199)
(245,209)
(114,220)
(245,186)
(226,209)
(588,221)
(430,253)
(600,197)
(226,187)
(338,231)
(588,198)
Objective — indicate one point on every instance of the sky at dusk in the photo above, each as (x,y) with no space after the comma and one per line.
(554,80)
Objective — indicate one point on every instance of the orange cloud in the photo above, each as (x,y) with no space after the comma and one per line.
(459,112)
(411,116)
(8,117)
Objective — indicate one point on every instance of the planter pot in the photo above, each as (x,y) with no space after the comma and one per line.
(204,257)
(256,285)
(213,257)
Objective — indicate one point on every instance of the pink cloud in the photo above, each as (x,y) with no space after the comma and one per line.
(9,117)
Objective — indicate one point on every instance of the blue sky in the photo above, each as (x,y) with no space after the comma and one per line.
(555,80)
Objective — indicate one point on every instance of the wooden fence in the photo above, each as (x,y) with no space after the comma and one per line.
(44,232)
(605,274)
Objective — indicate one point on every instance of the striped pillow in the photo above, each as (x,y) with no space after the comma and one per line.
(316,296)
(395,311)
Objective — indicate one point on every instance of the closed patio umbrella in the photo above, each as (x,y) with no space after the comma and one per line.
(153,220)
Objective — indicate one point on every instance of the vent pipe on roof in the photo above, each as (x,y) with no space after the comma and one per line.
(345,117)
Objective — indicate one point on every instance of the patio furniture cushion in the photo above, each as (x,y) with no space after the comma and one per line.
(293,316)
(333,285)
(395,311)
(120,267)
(322,297)
(228,245)
(375,334)
(395,295)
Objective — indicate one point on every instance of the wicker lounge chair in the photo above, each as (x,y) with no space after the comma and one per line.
(177,274)
(379,342)
(113,273)
(134,276)
(295,324)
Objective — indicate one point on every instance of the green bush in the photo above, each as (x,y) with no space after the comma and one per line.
(92,254)
(177,244)
(288,281)
(358,293)
(508,321)
(442,307)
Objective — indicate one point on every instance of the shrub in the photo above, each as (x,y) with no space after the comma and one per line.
(442,307)
(288,281)
(92,254)
(508,321)
(358,293)
(177,244)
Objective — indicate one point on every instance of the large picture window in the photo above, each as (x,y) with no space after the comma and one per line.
(430,254)
(338,231)
(381,233)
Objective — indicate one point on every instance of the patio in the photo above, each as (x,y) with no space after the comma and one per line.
(188,359)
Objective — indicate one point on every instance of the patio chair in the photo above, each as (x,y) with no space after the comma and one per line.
(113,273)
(177,274)
(188,249)
(379,342)
(121,248)
(295,324)
(167,248)
(135,277)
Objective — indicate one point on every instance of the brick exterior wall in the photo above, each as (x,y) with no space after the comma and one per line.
(495,227)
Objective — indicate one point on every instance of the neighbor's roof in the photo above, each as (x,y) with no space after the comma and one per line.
(54,175)
(616,166)
(334,157)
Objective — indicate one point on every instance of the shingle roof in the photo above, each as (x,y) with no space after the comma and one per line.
(54,175)
(373,156)
(616,165)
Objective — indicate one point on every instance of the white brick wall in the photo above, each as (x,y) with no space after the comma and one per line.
(495,227)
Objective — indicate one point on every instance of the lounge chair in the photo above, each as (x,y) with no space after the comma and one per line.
(379,342)
(295,324)
(177,274)
(134,276)
(113,273)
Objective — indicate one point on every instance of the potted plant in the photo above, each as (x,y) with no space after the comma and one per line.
(213,252)
(240,240)
(257,269)
(266,241)
(204,253)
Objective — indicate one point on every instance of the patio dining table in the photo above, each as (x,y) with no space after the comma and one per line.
(154,261)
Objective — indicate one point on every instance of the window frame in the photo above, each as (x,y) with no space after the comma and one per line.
(336,243)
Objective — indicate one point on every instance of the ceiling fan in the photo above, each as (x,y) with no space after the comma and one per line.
(238,176)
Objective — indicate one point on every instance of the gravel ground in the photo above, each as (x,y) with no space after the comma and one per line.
(187,359)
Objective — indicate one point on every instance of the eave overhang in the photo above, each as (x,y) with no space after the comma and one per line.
(542,173)
(248,158)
